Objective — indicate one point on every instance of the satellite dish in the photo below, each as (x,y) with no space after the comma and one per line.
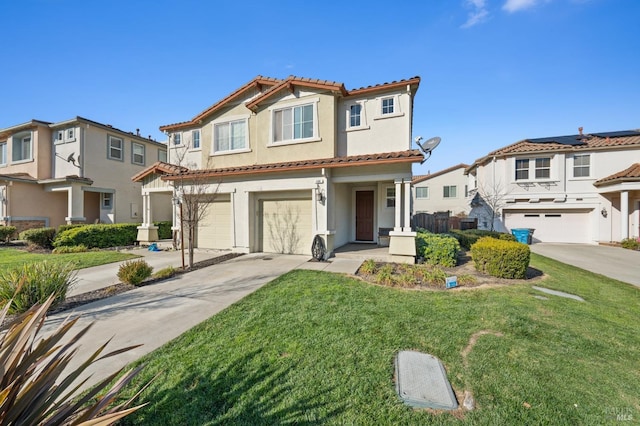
(71,158)
(428,146)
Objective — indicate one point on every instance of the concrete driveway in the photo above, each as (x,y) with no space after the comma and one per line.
(153,315)
(614,262)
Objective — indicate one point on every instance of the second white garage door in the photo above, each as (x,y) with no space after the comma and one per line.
(561,226)
(286,226)
(214,230)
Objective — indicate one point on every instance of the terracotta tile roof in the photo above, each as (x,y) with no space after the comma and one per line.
(587,142)
(256,83)
(422,178)
(160,168)
(18,176)
(411,156)
(630,174)
(277,84)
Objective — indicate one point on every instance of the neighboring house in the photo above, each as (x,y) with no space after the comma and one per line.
(581,188)
(74,171)
(442,191)
(295,158)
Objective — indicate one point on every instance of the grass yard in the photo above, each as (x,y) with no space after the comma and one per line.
(317,348)
(10,258)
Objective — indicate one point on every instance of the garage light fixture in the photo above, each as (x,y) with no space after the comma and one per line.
(603,212)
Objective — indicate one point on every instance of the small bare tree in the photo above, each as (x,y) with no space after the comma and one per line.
(194,194)
(488,202)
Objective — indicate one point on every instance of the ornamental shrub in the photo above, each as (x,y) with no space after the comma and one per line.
(70,249)
(6,232)
(100,235)
(500,258)
(41,237)
(38,281)
(164,230)
(437,249)
(134,271)
(631,243)
(64,227)
(469,236)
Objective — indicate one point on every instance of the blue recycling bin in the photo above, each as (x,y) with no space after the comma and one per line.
(523,235)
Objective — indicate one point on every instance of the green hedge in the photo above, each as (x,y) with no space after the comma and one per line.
(100,235)
(500,258)
(41,237)
(62,228)
(6,232)
(469,236)
(437,249)
(164,230)
(631,243)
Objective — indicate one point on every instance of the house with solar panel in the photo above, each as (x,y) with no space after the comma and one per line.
(582,188)
(295,160)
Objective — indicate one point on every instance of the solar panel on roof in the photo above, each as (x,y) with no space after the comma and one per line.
(563,140)
(617,134)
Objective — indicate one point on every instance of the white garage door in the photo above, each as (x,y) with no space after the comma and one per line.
(562,226)
(286,226)
(214,230)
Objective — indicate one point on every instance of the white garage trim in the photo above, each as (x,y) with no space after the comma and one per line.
(553,226)
(285,223)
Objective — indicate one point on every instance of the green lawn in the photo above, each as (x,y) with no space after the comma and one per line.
(312,347)
(10,258)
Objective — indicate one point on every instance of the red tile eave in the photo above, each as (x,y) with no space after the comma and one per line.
(630,174)
(158,166)
(384,86)
(297,81)
(283,167)
(255,83)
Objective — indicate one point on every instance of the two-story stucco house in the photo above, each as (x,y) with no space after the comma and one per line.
(442,191)
(581,188)
(73,171)
(295,158)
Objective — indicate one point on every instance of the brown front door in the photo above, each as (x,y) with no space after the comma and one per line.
(364,215)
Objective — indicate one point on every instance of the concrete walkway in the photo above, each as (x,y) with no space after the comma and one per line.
(614,262)
(155,314)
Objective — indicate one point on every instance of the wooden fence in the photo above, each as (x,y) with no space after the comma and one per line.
(442,222)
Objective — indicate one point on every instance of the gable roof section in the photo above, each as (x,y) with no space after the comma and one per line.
(422,178)
(587,142)
(256,83)
(159,167)
(292,81)
(385,86)
(411,156)
(630,174)
(29,125)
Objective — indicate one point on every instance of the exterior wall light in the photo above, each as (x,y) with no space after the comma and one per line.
(603,212)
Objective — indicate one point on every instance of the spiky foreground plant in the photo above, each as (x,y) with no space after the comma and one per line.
(32,388)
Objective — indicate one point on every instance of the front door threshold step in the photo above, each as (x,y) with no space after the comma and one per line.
(421,381)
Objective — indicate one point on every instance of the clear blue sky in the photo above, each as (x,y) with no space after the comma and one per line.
(493,71)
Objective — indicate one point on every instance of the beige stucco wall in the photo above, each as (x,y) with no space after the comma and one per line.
(436,202)
(39,166)
(27,200)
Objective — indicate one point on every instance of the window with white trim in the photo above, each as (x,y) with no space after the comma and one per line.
(582,165)
(3,153)
(70,134)
(295,123)
(449,191)
(522,169)
(422,192)
(22,147)
(162,155)
(115,148)
(391,197)
(59,137)
(543,168)
(355,115)
(107,200)
(137,153)
(230,136)
(177,138)
(388,105)
(195,139)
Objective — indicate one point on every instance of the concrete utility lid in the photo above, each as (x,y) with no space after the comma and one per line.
(421,381)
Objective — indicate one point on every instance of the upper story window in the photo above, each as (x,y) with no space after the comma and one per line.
(295,123)
(22,147)
(355,115)
(162,155)
(230,136)
(137,153)
(70,135)
(388,106)
(422,192)
(582,165)
(3,153)
(59,136)
(533,168)
(522,169)
(543,168)
(114,148)
(449,191)
(391,197)
(195,139)
(177,138)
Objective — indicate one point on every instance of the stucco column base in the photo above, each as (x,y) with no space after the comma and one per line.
(402,247)
(147,234)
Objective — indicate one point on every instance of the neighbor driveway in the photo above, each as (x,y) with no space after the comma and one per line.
(614,262)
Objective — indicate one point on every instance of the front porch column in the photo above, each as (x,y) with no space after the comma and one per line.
(398,206)
(402,241)
(624,215)
(146,231)
(75,205)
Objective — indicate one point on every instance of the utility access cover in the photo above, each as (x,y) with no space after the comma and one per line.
(421,381)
